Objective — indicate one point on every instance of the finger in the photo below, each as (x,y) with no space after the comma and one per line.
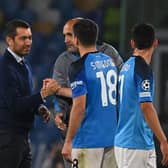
(63,128)
(58,121)
(165,159)
(47,119)
(47,79)
(68,158)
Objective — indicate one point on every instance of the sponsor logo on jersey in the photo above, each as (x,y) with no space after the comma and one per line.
(76,83)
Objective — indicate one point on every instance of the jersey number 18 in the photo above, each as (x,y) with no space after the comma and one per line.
(108,87)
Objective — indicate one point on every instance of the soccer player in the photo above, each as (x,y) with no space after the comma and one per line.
(93,115)
(63,101)
(134,145)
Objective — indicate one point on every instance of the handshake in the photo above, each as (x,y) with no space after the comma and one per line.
(49,88)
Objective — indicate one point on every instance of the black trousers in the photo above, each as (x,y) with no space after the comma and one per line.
(14,150)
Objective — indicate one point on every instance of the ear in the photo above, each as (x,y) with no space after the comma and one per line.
(9,41)
(76,41)
(132,43)
(155,43)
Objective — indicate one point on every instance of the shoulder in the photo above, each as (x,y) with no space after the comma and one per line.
(64,55)
(141,67)
(76,67)
(112,52)
(62,59)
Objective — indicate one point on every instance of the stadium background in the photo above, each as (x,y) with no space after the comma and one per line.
(114,17)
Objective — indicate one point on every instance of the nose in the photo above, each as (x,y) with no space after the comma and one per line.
(28,41)
(66,40)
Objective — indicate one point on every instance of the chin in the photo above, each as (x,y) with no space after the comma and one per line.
(25,53)
(73,50)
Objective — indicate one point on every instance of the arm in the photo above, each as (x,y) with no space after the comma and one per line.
(60,70)
(76,117)
(63,91)
(19,97)
(151,118)
(60,73)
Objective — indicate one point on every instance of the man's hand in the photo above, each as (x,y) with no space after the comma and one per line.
(50,87)
(164,150)
(44,112)
(67,150)
(59,122)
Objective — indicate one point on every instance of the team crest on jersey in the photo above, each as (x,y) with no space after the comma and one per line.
(146,85)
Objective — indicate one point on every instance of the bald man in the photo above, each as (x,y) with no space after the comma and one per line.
(63,101)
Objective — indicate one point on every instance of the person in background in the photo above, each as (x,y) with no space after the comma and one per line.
(134,144)
(18,105)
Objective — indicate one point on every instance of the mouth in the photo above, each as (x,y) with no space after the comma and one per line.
(27,49)
(70,46)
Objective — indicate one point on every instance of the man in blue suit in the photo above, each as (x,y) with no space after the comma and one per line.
(18,105)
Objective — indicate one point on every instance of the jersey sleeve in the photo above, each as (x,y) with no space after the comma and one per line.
(77,79)
(144,80)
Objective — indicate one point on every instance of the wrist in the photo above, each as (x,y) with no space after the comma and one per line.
(58,90)
(43,94)
(68,140)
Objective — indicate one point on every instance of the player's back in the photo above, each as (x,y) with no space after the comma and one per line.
(98,79)
(132,131)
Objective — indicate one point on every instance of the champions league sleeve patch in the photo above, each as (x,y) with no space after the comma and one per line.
(145,89)
(146,85)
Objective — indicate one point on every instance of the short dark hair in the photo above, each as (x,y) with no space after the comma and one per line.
(86,31)
(143,35)
(12,25)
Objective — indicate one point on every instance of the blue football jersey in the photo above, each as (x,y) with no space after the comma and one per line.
(135,87)
(95,76)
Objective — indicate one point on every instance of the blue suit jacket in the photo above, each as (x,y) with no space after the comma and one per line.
(17,104)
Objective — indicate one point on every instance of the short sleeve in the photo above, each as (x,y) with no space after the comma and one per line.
(144,80)
(78,79)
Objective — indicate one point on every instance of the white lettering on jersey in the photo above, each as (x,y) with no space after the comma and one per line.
(102,64)
(76,83)
(144,94)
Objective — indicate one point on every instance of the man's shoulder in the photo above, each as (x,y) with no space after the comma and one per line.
(65,54)
(141,67)
(76,67)
(109,50)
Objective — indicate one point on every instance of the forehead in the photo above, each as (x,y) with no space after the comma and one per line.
(68,28)
(23,31)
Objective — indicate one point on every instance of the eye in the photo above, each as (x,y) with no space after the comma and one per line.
(26,37)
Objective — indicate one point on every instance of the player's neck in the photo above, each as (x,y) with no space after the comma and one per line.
(146,54)
(84,50)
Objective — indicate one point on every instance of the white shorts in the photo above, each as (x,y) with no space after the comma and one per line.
(94,158)
(134,158)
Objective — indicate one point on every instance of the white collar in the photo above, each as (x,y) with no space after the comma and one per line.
(18,58)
